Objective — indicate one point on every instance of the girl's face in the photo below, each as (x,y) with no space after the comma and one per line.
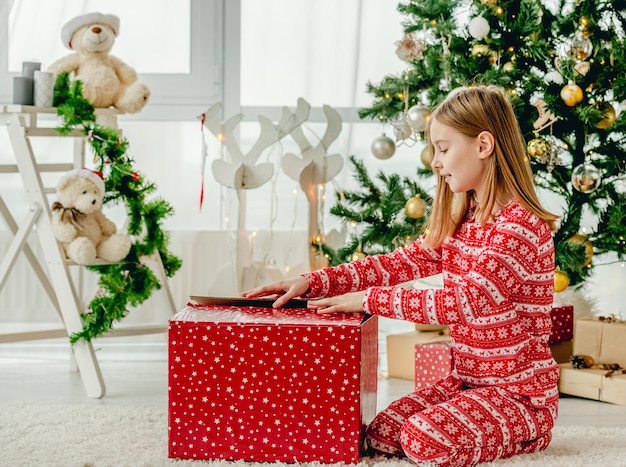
(459,159)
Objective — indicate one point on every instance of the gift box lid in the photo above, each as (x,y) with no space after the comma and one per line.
(260,311)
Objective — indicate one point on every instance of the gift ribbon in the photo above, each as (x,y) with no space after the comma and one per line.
(204,157)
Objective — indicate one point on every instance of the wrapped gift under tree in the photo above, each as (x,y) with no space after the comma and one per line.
(433,362)
(401,350)
(597,367)
(562,333)
(562,324)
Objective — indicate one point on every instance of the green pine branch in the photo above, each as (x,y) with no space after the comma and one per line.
(377,212)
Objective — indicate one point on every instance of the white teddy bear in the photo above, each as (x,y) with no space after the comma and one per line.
(107,80)
(79,224)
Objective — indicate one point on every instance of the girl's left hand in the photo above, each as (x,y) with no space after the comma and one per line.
(347,303)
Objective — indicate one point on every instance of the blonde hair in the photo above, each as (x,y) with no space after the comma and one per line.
(470,111)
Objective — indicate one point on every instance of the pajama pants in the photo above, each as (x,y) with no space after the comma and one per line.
(447,425)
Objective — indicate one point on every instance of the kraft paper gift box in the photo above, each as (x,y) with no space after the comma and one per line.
(592,383)
(270,385)
(602,340)
(432,363)
(401,351)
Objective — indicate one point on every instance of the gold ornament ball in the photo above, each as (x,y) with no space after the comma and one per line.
(608,116)
(580,238)
(508,67)
(357,255)
(571,94)
(426,156)
(561,281)
(537,147)
(415,207)
(319,261)
(480,50)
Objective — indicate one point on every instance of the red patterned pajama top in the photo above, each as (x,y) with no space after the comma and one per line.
(497,294)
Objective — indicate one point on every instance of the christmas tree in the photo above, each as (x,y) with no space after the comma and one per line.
(564,65)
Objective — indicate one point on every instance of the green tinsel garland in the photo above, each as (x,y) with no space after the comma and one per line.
(129,282)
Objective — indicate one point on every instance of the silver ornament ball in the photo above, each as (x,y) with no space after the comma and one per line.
(586,177)
(383,147)
(418,117)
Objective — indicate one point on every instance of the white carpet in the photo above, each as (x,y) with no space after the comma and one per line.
(97,435)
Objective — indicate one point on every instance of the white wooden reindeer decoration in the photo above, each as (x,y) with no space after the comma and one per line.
(243,172)
(313,168)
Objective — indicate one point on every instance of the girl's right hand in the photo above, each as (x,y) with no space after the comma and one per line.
(288,289)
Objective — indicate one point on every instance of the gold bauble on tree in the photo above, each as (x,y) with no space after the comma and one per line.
(580,238)
(415,207)
(561,280)
(358,254)
(508,67)
(571,94)
(608,116)
(537,147)
(426,156)
(480,50)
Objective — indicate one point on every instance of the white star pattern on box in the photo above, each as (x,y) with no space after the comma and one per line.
(270,385)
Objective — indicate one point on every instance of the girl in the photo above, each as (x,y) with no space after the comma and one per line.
(492,240)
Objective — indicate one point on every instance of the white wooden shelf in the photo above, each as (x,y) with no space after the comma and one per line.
(23,123)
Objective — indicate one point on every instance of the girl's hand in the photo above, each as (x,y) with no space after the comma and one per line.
(347,303)
(291,288)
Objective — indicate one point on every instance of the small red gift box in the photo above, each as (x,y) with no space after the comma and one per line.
(433,362)
(270,385)
(562,324)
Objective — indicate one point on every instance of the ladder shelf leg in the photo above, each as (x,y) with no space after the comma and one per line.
(54,256)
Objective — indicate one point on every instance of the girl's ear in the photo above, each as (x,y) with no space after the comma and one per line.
(486,144)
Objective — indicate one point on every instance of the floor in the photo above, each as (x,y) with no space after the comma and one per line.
(135,373)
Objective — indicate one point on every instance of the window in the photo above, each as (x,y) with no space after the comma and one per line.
(181,64)
(324,51)
(270,52)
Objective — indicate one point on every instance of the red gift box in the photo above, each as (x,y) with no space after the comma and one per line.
(562,324)
(265,385)
(433,362)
